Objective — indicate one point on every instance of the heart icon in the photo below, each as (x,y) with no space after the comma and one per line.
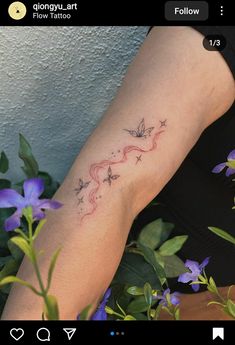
(17,333)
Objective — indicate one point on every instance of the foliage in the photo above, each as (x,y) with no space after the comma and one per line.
(10,254)
(142,275)
(140,288)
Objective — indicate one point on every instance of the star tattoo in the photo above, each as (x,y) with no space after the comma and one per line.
(141,131)
(80,200)
(162,123)
(81,185)
(138,159)
(110,177)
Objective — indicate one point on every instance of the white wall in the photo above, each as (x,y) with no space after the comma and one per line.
(55,83)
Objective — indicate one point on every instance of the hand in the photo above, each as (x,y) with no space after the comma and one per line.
(194,306)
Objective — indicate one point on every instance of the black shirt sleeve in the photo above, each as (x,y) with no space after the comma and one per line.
(229,33)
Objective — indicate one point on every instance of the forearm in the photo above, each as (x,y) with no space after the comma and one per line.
(196,306)
(123,166)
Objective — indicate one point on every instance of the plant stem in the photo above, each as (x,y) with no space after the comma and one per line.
(133,250)
(216,292)
(35,264)
(120,315)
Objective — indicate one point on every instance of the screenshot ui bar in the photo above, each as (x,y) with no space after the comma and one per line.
(128,12)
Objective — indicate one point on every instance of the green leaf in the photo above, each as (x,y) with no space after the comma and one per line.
(129,318)
(134,270)
(51,309)
(21,232)
(148,294)
(138,305)
(46,178)
(39,228)
(212,286)
(177,313)
(155,233)
(84,315)
(51,185)
(223,234)
(30,167)
(4,237)
(173,265)
(150,257)
(202,278)
(52,267)
(198,282)
(119,294)
(109,310)
(6,289)
(135,291)
(10,268)
(23,245)
(229,291)
(157,312)
(173,245)
(4,260)
(4,163)
(231,307)
(13,279)
(5,183)
(15,251)
(140,316)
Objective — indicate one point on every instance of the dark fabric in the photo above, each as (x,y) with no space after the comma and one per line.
(229,33)
(195,198)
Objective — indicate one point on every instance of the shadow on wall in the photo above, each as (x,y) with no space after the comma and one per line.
(56,83)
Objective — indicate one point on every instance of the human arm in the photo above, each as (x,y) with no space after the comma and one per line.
(173,78)
(195,306)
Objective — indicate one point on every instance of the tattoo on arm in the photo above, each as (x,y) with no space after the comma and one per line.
(87,191)
(81,186)
(141,131)
(110,176)
(138,159)
(162,123)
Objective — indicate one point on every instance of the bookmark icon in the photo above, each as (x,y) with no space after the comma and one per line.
(218,332)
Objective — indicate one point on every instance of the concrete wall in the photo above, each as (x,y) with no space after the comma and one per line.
(55,83)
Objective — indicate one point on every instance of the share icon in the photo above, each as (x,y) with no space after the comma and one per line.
(70,332)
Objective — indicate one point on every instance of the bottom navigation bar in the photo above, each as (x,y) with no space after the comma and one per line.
(70,332)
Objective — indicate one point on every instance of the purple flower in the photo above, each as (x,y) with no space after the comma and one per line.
(230,164)
(100,314)
(196,270)
(33,188)
(174,298)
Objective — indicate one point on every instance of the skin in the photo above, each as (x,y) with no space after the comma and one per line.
(194,306)
(172,79)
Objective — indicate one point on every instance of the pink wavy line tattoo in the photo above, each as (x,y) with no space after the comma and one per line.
(96,167)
